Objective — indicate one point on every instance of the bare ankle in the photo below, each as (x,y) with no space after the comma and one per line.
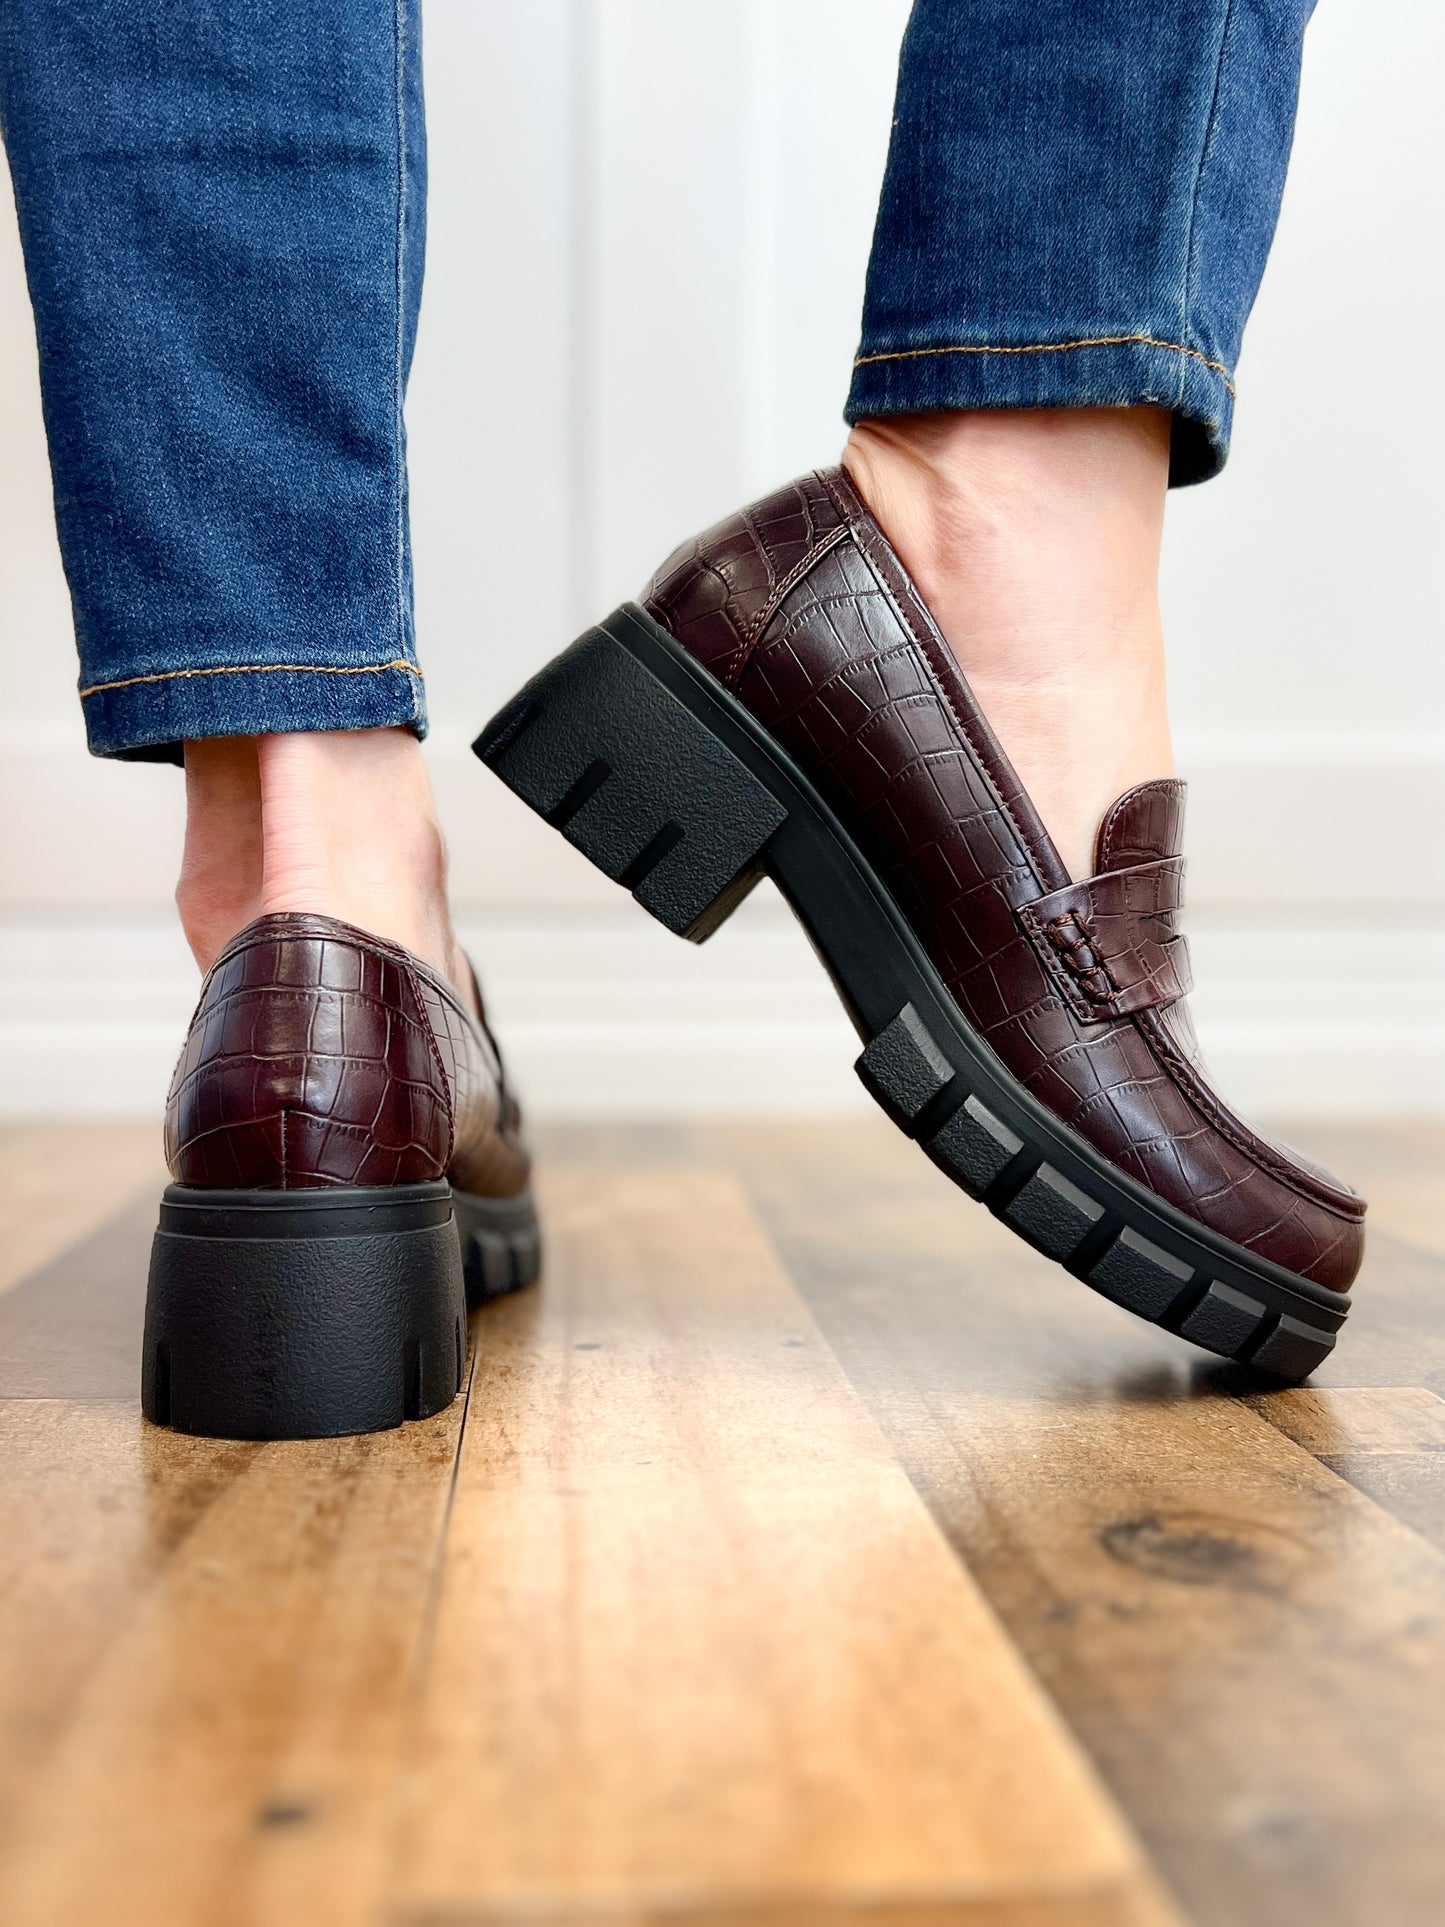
(1034,538)
(340,823)
(219,891)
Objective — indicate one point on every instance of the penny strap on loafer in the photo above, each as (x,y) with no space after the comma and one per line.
(793,630)
(783,704)
(1109,945)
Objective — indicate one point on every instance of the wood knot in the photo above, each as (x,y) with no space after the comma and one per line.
(1207,1549)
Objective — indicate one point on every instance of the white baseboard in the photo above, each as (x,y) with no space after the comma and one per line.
(605,1015)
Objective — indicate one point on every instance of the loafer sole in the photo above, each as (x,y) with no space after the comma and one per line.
(669,785)
(314,1314)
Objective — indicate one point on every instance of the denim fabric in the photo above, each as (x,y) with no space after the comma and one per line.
(1079,201)
(221,203)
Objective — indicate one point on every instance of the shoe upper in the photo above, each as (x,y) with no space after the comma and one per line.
(801,607)
(321,1055)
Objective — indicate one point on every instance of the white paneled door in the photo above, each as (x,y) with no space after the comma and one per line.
(649,228)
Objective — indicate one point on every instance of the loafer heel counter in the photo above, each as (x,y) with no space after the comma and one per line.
(305,1069)
(715,594)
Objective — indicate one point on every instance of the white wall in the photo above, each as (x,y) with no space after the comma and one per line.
(649,226)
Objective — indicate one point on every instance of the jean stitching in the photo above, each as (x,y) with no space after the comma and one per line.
(1186,293)
(258,669)
(399,427)
(1054,348)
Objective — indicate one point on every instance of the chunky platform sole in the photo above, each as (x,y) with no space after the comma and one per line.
(309,1314)
(659,775)
(501,1245)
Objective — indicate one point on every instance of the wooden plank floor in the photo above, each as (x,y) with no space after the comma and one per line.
(805,1550)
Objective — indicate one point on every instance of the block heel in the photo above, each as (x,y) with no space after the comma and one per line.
(601,749)
(303,1314)
(660,775)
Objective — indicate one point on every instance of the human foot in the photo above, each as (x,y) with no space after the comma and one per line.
(349,1163)
(341,824)
(1033,537)
(782,703)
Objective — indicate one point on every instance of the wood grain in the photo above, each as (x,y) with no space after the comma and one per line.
(1253,1652)
(206,1656)
(699,1647)
(690,1645)
(1387,1441)
(59,1182)
(1336,1421)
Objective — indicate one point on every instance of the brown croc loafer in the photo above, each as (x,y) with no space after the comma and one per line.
(350,1176)
(781,704)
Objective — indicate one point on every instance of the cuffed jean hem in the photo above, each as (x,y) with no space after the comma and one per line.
(1130,370)
(147,718)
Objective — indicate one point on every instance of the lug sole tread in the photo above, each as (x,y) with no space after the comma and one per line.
(664,783)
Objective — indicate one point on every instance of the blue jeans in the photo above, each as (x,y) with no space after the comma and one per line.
(1079,201)
(222,209)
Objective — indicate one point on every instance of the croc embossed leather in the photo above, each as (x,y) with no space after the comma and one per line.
(781,703)
(350,1175)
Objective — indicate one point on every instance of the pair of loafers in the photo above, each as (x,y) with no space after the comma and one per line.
(350,1168)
